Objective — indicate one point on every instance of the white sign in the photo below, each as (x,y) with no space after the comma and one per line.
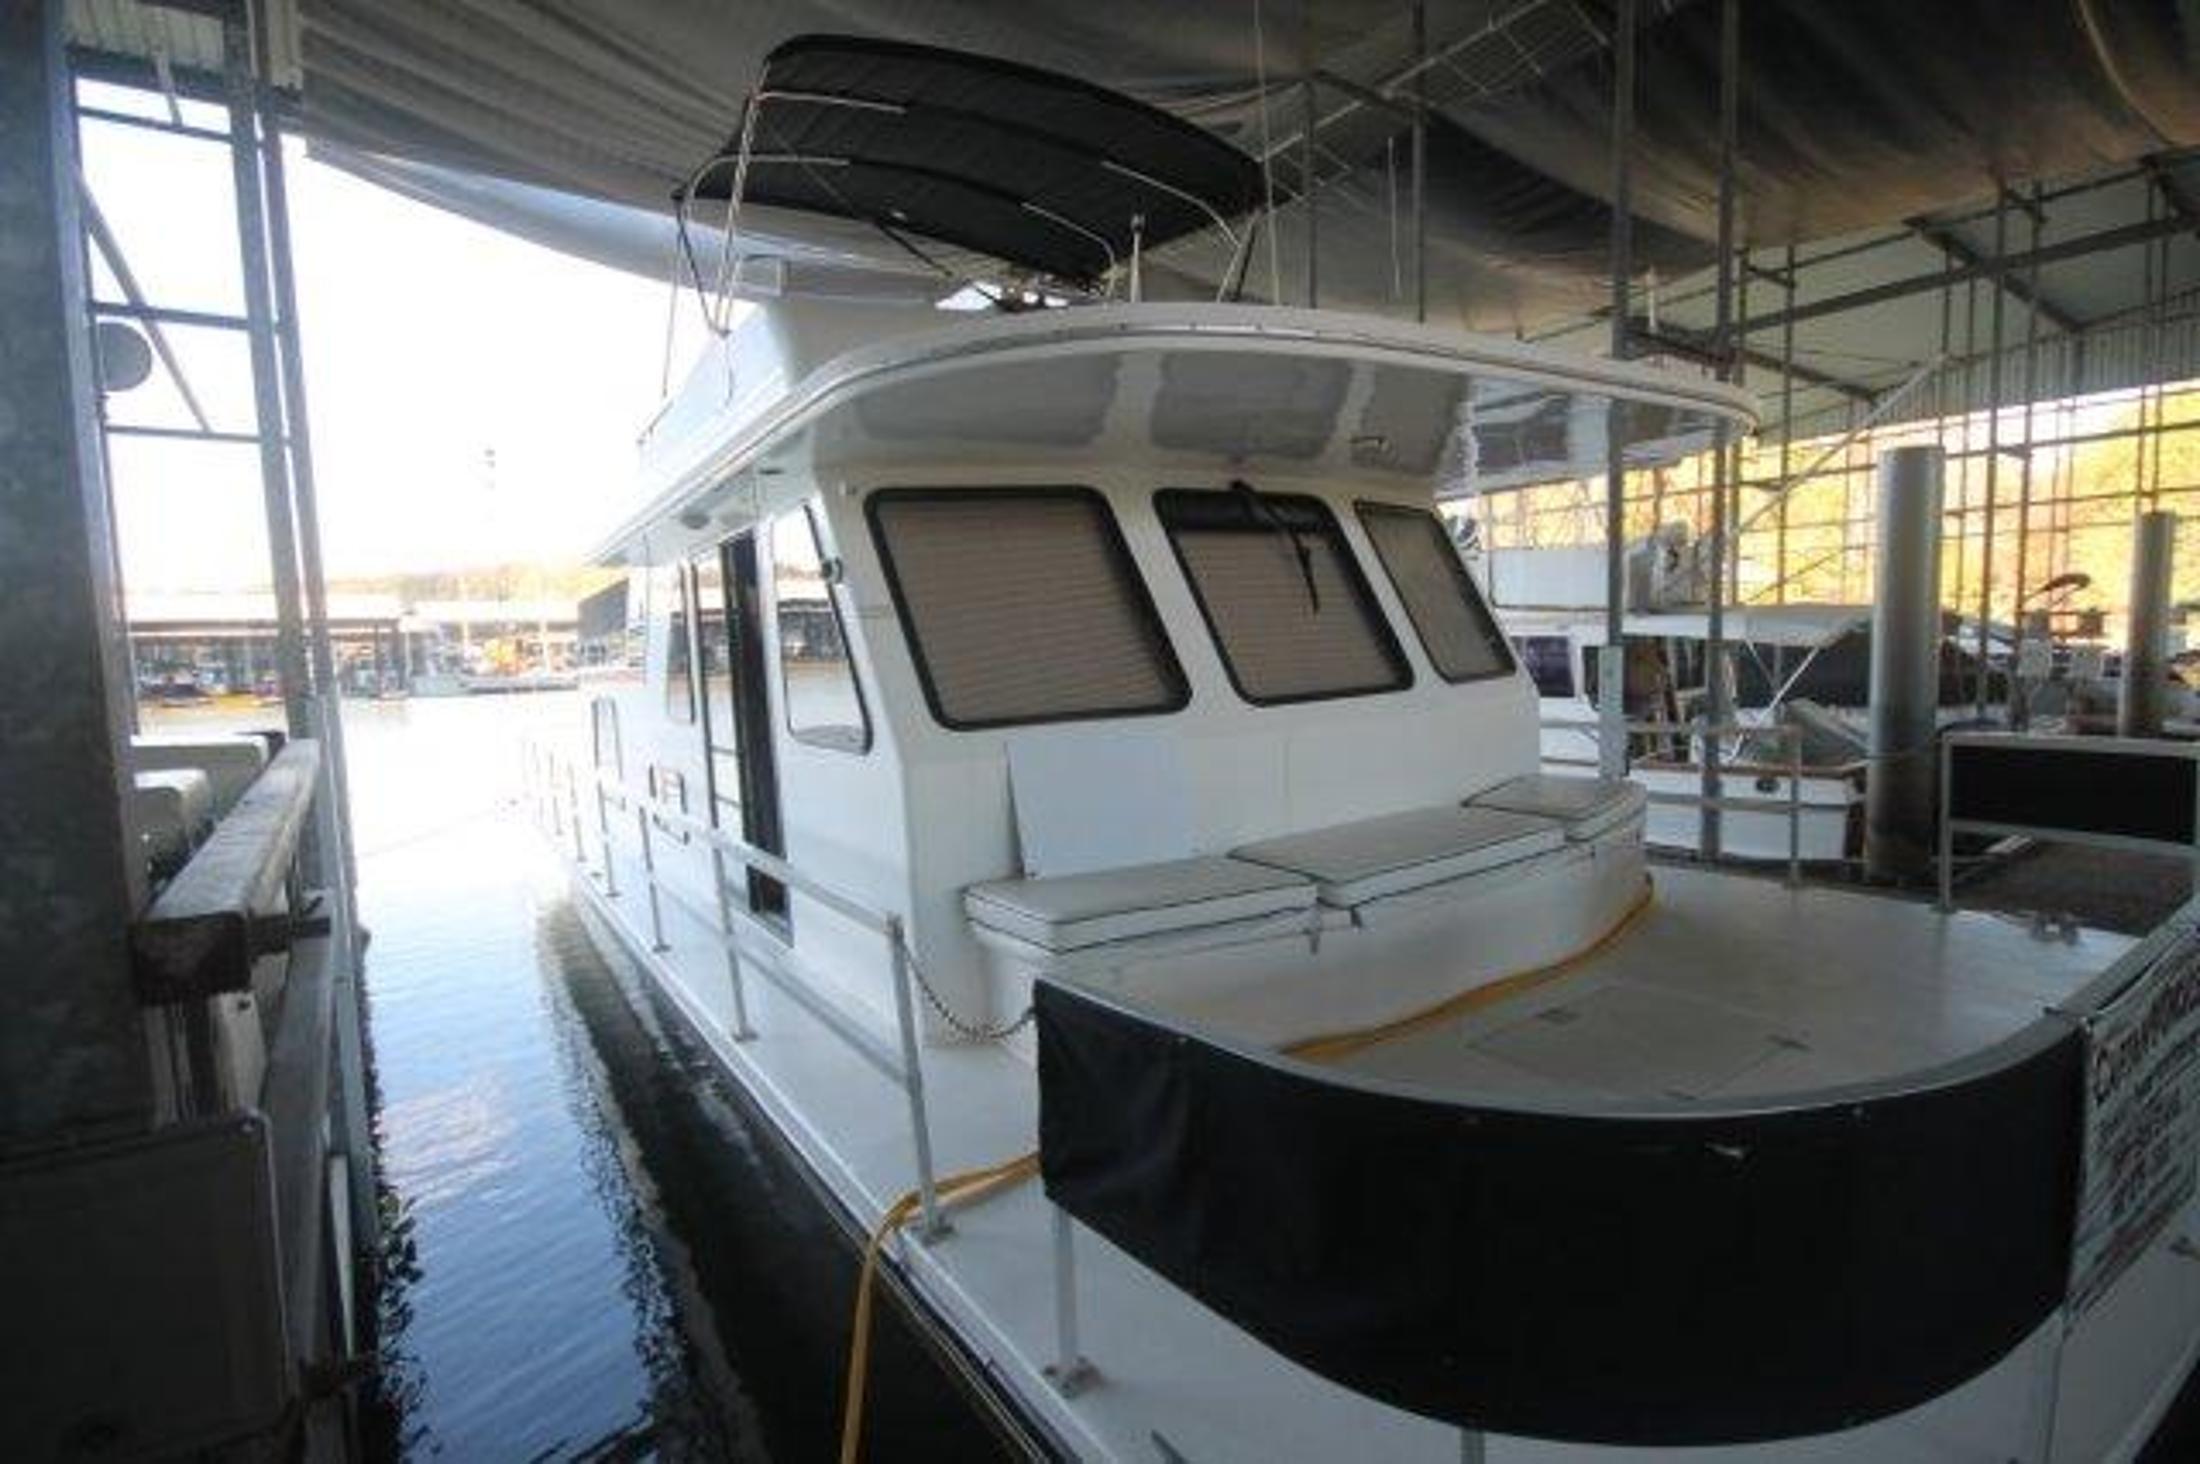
(2142,1118)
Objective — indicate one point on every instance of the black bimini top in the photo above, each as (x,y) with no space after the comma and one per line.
(1039,170)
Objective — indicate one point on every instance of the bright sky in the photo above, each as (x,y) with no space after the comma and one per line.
(428,341)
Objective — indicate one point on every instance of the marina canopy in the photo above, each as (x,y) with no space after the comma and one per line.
(1875,136)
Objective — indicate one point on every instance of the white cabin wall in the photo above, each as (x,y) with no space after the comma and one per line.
(1253,771)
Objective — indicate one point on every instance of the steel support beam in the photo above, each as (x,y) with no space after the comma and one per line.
(1701,347)
(2125,237)
(1710,834)
(2022,288)
(74,1054)
(1612,672)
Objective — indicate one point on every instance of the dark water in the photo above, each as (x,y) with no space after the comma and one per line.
(595,1250)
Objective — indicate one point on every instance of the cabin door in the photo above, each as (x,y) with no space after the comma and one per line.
(743,773)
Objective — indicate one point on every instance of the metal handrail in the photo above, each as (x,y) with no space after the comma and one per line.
(1788,735)
(541,766)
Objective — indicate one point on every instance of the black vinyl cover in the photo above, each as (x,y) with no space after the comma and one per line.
(1031,167)
(1645,1280)
(2133,795)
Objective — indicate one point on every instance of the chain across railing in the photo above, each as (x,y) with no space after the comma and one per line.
(552,786)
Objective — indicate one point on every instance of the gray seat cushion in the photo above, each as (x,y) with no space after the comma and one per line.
(1372,857)
(1071,911)
(1586,806)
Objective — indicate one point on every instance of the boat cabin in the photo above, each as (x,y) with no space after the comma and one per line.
(1122,639)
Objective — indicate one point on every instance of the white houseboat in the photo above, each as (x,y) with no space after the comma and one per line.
(1072,731)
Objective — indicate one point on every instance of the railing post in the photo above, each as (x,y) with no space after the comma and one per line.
(1070,1372)
(1795,807)
(649,878)
(912,1081)
(573,815)
(603,837)
(742,1031)
(1947,835)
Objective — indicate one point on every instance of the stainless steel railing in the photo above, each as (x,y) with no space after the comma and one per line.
(552,786)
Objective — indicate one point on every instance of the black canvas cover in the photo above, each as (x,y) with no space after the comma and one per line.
(1673,1279)
(1040,170)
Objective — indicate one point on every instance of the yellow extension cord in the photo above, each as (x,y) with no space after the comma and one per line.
(973,1185)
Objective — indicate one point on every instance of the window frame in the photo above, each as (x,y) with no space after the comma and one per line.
(1355,573)
(1115,546)
(1363,509)
(833,582)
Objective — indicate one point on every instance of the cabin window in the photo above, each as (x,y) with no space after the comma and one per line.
(1548,659)
(1282,595)
(668,588)
(1456,629)
(1022,605)
(817,680)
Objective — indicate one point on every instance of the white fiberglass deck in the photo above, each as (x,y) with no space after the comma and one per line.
(1170,1370)
(1731,987)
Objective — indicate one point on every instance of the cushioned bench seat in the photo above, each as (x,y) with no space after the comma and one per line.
(1071,911)
(1368,858)
(1586,806)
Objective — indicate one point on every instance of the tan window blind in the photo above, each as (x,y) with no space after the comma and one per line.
(1289,608)
(1456,628)
(1022,605)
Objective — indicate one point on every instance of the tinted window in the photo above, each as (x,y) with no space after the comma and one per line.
(817,681)
(1022,605)
(1456,628)
(1284,598)
(1546,657)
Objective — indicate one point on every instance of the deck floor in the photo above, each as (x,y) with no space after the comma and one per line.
(1730,987)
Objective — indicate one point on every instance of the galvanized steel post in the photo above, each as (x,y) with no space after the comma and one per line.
(1905,670)
(1612,678)
(2139,704)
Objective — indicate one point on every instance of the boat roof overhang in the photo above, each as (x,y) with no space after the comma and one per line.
(1195,389)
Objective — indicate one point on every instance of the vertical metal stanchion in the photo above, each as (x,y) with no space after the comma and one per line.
(603,838)
(1795,807)
(742,1031)
(1612,663)
(1070,1372)
(1710,824)
(912,1079)
(573,815)
(649,878)
(1947,858)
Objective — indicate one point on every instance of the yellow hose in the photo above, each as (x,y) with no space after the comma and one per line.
(1333,1046)
(965,1188)
(973,1185)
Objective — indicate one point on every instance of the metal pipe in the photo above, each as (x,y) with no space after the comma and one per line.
(1612,680)
(282,532)
(2020,710)
(912,1079)
(742,1031)
(1306,194)
(649,878)
(1905,666)
(2139,705)
(1420,160)
(1709,828)
(1993,457)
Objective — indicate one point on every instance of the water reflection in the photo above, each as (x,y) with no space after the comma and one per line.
(594,1249)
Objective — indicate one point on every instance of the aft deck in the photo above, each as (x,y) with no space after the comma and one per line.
(1734,987)
(1882,986)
